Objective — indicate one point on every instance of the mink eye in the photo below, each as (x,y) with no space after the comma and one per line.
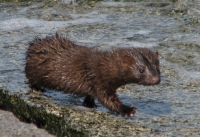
(141,71)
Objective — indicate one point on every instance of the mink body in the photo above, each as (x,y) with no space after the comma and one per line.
(59,64)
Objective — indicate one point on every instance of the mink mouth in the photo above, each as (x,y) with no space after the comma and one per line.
(149,83)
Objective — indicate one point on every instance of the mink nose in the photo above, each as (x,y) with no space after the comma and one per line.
(155,80)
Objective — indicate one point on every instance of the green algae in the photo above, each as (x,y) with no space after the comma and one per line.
(4,1)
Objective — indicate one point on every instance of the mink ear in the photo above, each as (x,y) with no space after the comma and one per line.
(126,61)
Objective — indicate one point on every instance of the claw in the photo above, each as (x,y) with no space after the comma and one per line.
(128,111)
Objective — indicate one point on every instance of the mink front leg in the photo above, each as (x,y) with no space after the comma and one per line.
(112,102)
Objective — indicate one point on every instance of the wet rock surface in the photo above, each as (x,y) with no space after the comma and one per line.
(11,126)
(171,27)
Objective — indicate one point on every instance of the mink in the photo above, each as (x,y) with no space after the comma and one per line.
(58,64)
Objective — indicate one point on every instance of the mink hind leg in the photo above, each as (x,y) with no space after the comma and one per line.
(89,102)
(112,102)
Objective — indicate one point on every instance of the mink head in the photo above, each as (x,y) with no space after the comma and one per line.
(141,66)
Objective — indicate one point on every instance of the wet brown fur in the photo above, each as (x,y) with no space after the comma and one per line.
(59,64)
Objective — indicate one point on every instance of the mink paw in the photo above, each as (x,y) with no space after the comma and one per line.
(128,111)
(89,102)
(37,89)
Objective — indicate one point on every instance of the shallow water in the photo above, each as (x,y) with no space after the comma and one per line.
(171,108)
